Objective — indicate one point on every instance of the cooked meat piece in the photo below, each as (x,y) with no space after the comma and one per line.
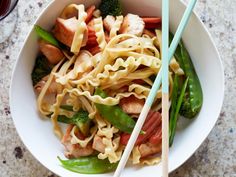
(65,30)
(98,144)
(149,149)
(52,53)
(75,150)
(51,89)
(132,105)
(132,24)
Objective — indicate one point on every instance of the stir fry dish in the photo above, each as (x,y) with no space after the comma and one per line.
(93,73)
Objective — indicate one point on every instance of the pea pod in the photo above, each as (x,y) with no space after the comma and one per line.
(88,165)
(115,115)
(46,36)
(193,97)
(176,101)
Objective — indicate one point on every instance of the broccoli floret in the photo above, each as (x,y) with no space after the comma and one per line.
(110,7)
(80,118)
(41,69)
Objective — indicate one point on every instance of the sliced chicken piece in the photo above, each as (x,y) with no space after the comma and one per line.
(108,22)
(149,149)
(98,144)
(75,150)
(52,53)
(132,105)
(51,89)
(65,29)
(132,24)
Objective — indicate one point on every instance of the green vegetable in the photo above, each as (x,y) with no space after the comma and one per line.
(67,107)
(175,106)
(88,165)
(115,115)
(110,7)
(193,97)
(80,119)
(41,69)
(46,36)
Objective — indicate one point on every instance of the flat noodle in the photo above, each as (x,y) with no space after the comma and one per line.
(98,27)
(135,155)
(87,106)
(107,131)
(158,41)
(82,63)
(95,98)
(174,65)
(73,100)
(82,27)
(111,151)
(82,143)
(69,11)
(150,160)
(61,76)
(112,73)
(44,90)
(116,27)
(139,89)
(56,110)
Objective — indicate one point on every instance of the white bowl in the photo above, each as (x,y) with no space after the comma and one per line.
(37,134)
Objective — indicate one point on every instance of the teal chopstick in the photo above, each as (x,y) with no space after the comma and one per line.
(165,46)
(165,88)
(171,51)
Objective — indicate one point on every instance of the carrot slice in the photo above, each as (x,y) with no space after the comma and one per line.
(92,40)
(152,122)
(94,50)
(151,20)
(90,11)
(91,31)
(156,137)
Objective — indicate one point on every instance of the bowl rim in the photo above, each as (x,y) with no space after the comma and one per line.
(23,48)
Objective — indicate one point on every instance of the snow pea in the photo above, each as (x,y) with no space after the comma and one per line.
(88,165)
(176,101)
(45,35)
(115,115)
(193,97)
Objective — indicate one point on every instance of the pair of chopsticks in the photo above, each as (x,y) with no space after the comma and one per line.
(167,54)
